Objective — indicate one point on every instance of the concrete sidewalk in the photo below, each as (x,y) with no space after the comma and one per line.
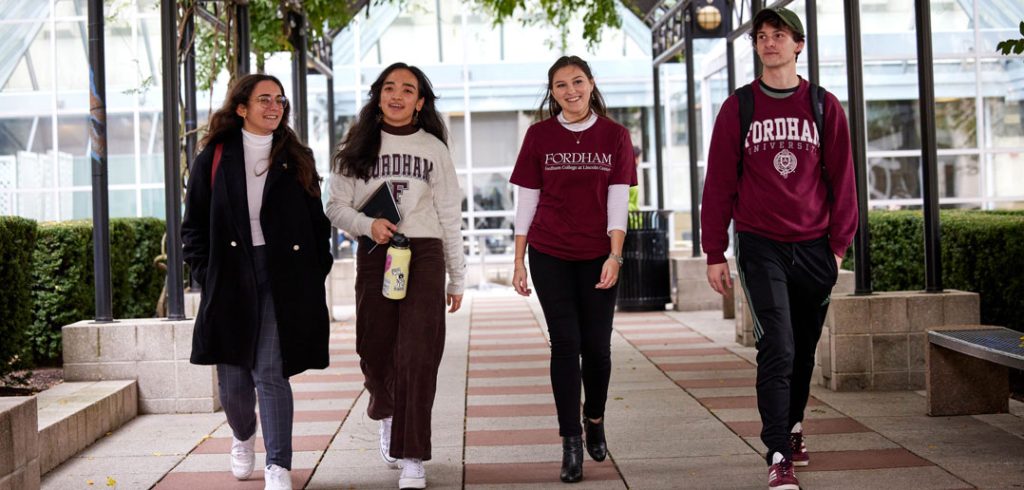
(681,414)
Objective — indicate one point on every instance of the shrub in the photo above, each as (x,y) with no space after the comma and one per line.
(982,251)
(63,289)
(17,240)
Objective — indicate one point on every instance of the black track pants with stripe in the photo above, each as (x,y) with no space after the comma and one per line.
(788,287)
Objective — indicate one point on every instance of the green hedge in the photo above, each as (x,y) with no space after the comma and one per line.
(17,240)
(62,276)
(982,251)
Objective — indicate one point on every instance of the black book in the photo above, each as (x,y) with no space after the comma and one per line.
(382,205)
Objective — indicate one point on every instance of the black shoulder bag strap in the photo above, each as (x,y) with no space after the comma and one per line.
(745,97)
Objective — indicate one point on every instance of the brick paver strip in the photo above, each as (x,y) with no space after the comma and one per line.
(513,410)
(673,329)
(477,327)
(347,363)
(342,351)
(863,460)
(544,389)
(669,341)
(524,437)
(719,402)
(222,445)
(504,336)
(703,366)
(517,346)
(842,425)
(218,480)
(522,473)
(508,373)
(511,358)
(325,395)
(328,378)
(697,351)
(717,382)
(320,415)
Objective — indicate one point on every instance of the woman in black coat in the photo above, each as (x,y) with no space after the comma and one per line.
(257,241)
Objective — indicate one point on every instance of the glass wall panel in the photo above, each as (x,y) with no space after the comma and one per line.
(412,38)
(73,55)
(457,135)
(894,178)
(494,139)
(1004,122)
(123,204)
(892,125)
(956,123)
(959,176)
(153,203)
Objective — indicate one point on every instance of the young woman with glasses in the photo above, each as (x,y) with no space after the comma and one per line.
(574,171)
(257,241)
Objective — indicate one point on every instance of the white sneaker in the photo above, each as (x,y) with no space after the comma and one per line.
(277,478)
(413,474)
(385,444)
(243,457)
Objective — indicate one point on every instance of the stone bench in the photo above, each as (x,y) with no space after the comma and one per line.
(73,415)
(967,370)
(153,351)
(19,443)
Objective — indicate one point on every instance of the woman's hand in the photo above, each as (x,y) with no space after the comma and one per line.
(382,230)
(519,282)
(609,274)
(454,301)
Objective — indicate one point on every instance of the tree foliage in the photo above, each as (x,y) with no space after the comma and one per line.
(596,15)
(1012,46)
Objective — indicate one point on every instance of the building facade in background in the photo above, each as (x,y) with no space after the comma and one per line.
(491,80)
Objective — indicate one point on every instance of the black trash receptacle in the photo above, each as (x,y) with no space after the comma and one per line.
(644,277)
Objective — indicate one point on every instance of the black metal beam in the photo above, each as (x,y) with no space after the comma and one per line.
(98,155)
(659,128)
(929,153)
(755,7)
(691,131)
(189,96)
(332,138)
(730,64)
(858,143)
(297,37)
(242,35)
(811,46)
(172,160)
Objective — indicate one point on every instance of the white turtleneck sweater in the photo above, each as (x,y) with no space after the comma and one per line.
(257,161)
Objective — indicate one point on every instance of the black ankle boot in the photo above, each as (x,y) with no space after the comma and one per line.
(597,447)
(572,459)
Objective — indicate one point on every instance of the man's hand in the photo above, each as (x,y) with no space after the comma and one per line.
(839,262)
(382,230)
(519,282)
(454,301)
(719,277)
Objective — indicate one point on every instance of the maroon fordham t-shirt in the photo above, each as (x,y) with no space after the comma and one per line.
(573,176)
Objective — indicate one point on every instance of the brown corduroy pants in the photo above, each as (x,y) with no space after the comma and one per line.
(400,343)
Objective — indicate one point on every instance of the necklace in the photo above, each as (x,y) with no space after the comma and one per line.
(577,135)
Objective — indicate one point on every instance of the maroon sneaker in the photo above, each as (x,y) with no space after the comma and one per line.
(800,455)
(782,477)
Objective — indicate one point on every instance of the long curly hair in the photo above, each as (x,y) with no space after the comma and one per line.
(549,106)
(357,153)
(226,122)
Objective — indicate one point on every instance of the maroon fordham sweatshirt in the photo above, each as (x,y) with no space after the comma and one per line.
(781,195)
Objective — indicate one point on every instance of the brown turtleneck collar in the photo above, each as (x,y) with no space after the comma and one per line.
(398,130)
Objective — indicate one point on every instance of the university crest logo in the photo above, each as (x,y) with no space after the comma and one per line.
(785,163)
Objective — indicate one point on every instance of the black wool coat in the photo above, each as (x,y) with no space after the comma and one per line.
(217,243)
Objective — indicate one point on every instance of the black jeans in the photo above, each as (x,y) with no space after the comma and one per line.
(788,287)
(579,319)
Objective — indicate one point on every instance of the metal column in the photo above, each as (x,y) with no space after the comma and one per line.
(243,36)
(297,22)
(755,7)
(332,139)
(929,155)
(659,128)
(858,143)
(691,132)
(172,157)
(811,46)
(98,135)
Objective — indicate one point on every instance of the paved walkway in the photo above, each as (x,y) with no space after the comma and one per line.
(681,414)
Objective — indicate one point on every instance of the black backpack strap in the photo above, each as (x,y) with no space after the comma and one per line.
(818,108)
(745,97)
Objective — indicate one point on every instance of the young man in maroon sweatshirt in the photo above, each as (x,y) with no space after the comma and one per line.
(795,210)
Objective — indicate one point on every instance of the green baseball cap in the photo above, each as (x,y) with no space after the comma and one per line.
(784,15)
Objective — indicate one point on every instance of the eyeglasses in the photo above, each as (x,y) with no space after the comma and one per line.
(266,100)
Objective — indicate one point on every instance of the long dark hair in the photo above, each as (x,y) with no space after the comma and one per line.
(549,106)
(357,153)
(226,122)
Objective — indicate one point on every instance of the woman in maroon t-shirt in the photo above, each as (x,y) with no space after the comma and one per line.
(574,172)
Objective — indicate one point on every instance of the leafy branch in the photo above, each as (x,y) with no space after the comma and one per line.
(1012,46)
(597,14)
